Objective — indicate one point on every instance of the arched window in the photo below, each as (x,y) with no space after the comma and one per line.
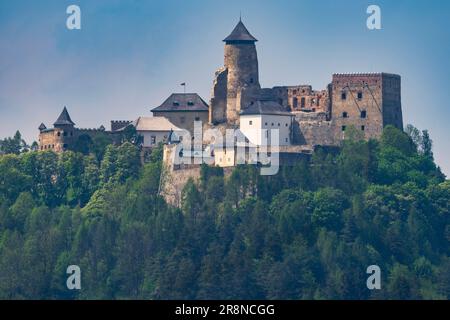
(302,102)
(295,103)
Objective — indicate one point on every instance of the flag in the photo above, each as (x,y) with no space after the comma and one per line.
(183,84)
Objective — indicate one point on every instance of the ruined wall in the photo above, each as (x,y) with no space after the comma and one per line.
(304,98)
(218,102)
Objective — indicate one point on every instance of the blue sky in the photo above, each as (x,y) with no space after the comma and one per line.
(130,55)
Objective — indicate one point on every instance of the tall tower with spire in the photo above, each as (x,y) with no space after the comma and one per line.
(238,78)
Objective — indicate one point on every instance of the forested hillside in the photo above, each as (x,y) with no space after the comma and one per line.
(309,232)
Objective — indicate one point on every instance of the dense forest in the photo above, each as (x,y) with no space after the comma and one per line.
(309,232)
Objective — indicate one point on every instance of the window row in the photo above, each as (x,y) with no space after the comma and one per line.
(363,128)
(250,122)
(359,95)
(362,115)
(65,133)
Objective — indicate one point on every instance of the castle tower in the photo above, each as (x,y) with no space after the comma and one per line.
(367,101)
(59,138)
(236,81)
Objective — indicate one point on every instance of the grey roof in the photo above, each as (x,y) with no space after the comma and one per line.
(265,107)
(154,124)
(240,33)
(183,102)
(64,119)
(42,127)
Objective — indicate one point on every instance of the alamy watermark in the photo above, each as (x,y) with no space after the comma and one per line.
(73,22)
(374,280)
(374,20)
(74,280)
(231,148)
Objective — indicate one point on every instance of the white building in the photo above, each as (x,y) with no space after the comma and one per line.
(155,130)
(258,121)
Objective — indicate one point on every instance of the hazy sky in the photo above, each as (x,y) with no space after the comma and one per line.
(130,55)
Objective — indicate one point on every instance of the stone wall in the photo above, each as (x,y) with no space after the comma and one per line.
(357,101)
(218,102)
(392,104)
(313,128)
(119,124)
(57,139)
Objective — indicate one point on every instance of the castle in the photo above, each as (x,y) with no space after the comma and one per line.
(368,101)
(304,117)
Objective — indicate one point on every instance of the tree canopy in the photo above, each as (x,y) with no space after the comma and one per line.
(310,232)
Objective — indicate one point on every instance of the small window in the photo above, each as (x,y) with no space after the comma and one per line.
(250,122)
(360,95)
(286,124)
(153,139)
(176,103)
(190,103)
(294,91)
(197,118)
(343,96)
(272,124)
(295,103)
(65,134)
(251,80)
(343,128)
(182,119)
(302,102)
(65,145)
(344,114)
(59,134)
(71,133)
(278,124)
(363,128)
(265,124)
(287,140)
(363,114)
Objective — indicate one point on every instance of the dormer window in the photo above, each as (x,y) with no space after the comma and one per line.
(176,103)
(190,103)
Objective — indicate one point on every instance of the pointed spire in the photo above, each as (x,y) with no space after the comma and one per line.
(64,119)
(240,34)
